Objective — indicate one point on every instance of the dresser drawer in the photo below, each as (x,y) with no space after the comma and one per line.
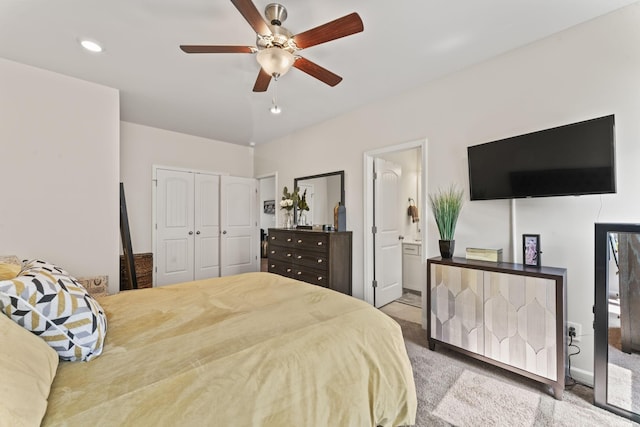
(281,253)
(314,277)
(282,238)
(281,268)
(311,241)
(315,260)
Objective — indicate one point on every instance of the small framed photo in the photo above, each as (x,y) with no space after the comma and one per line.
(531,249)
(270,207)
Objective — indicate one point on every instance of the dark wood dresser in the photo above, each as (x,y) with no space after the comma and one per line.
(319,257)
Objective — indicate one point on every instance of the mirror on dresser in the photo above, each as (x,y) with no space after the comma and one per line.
(617,319)
(323,192)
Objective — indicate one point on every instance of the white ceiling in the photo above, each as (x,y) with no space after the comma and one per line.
(404,44)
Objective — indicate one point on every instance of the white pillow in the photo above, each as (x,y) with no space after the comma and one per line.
(27,368)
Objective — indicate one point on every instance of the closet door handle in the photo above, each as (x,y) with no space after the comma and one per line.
(198,232)
(224,232)
(191,233)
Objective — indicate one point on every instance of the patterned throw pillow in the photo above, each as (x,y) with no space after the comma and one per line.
(54,306)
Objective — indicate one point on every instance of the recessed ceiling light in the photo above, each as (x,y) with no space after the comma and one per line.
(252,144)
(91,45)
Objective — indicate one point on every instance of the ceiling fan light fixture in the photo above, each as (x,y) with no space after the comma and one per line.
(275,61)
(91,46)
(275,109)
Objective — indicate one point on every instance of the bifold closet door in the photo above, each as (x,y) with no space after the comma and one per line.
(239,222)
(175,227)
(207,226)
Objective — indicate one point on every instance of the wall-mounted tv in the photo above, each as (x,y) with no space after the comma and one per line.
(574,159)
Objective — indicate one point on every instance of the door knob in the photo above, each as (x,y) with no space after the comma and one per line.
(224,232)
(198,232)
(190,233)
(400,237)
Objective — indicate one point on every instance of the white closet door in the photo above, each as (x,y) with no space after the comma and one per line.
(207,226)
(239,222)
(175,224)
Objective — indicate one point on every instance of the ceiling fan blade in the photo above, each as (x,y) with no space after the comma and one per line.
(314,70)
(341,27)
(253,17)
(262,82)
(217,49)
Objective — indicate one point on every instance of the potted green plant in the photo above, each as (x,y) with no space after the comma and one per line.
(446,206)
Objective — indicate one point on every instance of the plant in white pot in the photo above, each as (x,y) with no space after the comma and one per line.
(446,206)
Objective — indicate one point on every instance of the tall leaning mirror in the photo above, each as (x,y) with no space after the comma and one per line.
(322,192)
(617,319)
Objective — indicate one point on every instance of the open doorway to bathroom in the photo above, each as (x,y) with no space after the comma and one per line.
(395,267)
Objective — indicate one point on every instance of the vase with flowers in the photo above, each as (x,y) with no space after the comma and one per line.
(303,207)
(288,202)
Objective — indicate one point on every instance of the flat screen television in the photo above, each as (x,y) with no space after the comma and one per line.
(574,159)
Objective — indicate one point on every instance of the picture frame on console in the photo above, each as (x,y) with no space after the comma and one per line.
(531,250)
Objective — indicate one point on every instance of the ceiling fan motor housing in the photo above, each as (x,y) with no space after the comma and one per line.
(275,13)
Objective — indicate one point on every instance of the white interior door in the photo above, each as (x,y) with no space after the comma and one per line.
(239,223)
(175,225)
(387,243)
(207,226)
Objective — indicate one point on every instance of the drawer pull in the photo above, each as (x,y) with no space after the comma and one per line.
(273,252)
(299,273)
(320,261)
(319,277)
(299,257)
(273,237)
(289,255)
(289,239)
(288,270)
(319,243)
(273,266)
(299,240)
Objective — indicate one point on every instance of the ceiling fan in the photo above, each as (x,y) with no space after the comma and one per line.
(277,48)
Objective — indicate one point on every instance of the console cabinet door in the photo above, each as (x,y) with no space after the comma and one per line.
(456,307)
(520,322)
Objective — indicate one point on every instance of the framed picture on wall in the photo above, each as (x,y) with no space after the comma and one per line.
(531,249)
(270,207)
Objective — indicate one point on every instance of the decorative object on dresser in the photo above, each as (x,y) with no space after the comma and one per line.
(483,254)
(531,250)
(446,206)
(318,257)
(508,315)
(288,203)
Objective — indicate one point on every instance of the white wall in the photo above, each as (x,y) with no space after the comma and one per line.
(60,144)
(141,147)
(587,71)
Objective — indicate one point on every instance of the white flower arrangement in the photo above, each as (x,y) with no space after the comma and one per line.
(286,204)
(289,200)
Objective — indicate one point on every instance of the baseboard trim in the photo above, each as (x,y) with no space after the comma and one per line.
(582,376)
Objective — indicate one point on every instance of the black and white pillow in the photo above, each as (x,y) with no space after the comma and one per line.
(46,300)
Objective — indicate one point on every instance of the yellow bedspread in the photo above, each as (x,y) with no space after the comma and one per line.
(250,350)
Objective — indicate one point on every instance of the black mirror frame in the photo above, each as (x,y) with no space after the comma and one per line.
(322,175)
(601,312)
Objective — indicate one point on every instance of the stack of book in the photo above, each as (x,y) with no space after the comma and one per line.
(482,254)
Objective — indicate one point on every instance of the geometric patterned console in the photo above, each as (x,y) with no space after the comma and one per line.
(509,315)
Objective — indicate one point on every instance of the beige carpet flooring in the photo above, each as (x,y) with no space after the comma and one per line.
(455,390)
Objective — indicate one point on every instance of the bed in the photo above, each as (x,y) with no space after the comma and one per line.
(255,349)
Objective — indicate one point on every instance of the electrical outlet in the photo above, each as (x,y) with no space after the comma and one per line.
(578,330)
